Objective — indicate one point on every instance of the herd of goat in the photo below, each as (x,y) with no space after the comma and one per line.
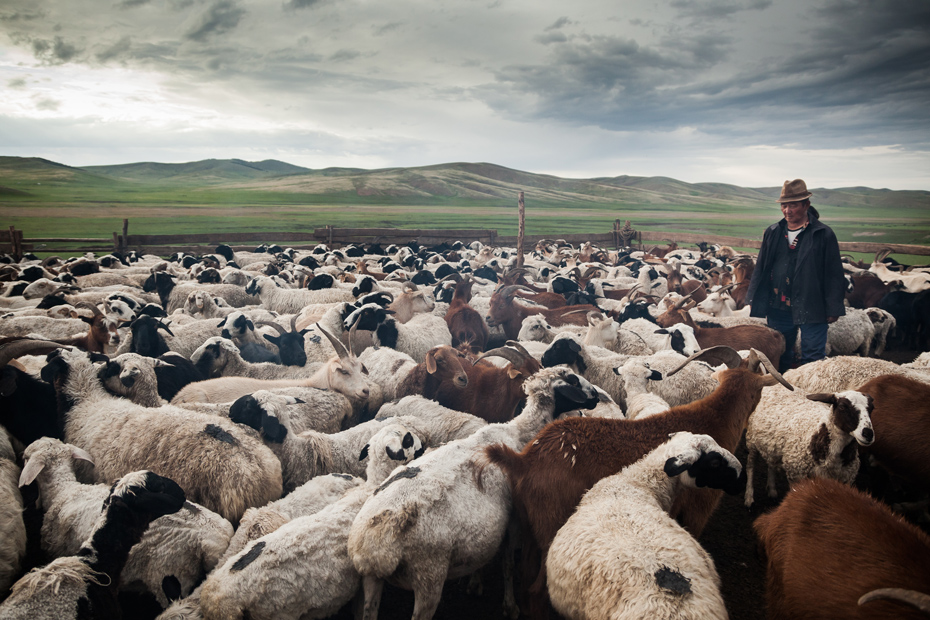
(276,434)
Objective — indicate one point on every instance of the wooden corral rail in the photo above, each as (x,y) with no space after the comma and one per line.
(12,241)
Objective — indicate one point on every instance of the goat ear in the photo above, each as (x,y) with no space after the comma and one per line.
(823,398)
(431,363)
(364,454)
(275,340)
(513,373)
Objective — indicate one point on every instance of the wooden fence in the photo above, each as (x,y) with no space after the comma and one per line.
(13,242)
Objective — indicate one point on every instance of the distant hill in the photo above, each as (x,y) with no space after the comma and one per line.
(442,184)
(208,171)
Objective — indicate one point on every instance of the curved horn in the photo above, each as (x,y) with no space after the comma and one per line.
(770,367)
(341,350)
(12,350)
(720,354)
(410,285)
(681,302)
(48,261)
(513,356)
(911,597)
(507,292)
(89,306)
(294,324)
(276,327)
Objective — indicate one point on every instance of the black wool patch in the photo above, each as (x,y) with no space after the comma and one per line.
(407,472)
(671,580)
(250,556)
(218,433)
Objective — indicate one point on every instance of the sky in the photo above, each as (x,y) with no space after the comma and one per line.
(748,92)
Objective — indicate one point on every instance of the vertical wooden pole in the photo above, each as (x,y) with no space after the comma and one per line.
(125,242)
(15,250)
(521,229)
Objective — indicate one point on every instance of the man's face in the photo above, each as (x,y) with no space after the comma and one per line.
(795,212)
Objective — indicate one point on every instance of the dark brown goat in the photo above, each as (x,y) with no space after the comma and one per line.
(443,366)
(569,456)
(493,392)
(901,421)
(465,323)
(868,290)
(740,337)
(829,544)
(509,315)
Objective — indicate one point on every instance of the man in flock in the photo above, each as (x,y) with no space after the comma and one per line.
(798,281)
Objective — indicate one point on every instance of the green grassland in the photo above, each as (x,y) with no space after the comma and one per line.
(45,199)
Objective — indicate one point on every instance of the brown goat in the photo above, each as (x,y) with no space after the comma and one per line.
(868,290)
(568,457)
(740,337)
(901,421)
(829,544)
(465,323)
(509,316)
(443,366)
(101,332)
(493,392)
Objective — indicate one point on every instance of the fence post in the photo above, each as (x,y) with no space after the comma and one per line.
(16,248)
(521,210)
(124,243)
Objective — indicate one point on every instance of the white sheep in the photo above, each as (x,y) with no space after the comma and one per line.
(621,556)
(883,323)
(845,372)
(291,300)
(133,376)
(415,337)
(220,357)
(445,516)
(921,361)
(807,435)
(640,402)
(219,464)
(607,333)
(175,552)
(85,585)
(851,334)
(12,526)
(678,337)
(302,570)
(535,328)
(432,422)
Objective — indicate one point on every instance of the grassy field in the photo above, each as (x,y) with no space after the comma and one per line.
(49,200)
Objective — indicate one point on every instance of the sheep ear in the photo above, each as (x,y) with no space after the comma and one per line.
(162,364)
(823,398)
(32,469)
(79,453)
(661,331)
(364,454)
(677,465)
(298,401)
(407,441)
(222,323)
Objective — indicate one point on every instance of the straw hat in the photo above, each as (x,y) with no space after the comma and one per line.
(794,191)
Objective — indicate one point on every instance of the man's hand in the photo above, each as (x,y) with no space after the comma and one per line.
(832,319)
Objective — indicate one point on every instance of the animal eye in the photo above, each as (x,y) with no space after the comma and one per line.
(343,371)
(364,370)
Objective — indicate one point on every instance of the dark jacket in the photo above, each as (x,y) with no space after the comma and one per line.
(818,286)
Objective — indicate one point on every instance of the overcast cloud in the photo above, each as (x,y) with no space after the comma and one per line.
(749,92)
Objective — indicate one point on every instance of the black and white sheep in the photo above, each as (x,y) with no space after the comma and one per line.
(621,555)
(85,585)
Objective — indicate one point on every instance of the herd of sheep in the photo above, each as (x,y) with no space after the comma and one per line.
(276,434)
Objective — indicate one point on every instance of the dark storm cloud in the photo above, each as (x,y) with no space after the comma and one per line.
(855,70)
(220,17)
(117,51)
(128,4)
(716,9)
(302,4)
(56,51)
